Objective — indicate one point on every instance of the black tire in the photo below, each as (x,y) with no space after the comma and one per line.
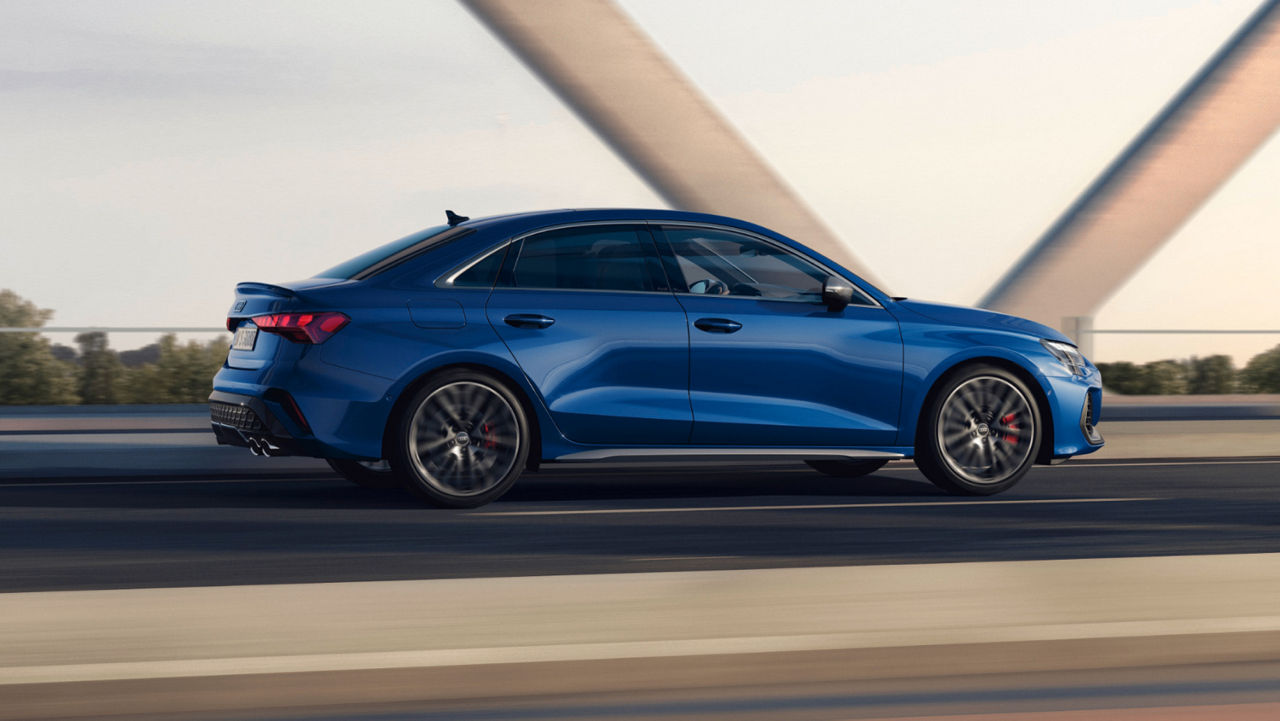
(847,469)
(980,433)
(364,476)
(462,440)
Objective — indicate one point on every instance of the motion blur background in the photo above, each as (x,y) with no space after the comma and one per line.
(156,153)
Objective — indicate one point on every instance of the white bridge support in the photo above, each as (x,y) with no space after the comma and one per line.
(610,73)
(1197,142)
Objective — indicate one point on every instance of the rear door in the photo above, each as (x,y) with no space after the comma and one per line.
(587,313)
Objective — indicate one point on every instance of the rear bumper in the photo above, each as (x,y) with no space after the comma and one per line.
(260,425)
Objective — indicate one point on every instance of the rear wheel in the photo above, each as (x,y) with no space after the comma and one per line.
(980,434)
(846,469)
(463,440)
(375,474)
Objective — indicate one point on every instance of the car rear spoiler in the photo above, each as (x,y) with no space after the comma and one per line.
(266,289)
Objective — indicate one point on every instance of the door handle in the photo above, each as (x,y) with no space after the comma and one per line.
(528,320)
(717,325)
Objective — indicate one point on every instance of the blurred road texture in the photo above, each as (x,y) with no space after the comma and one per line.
(145,573)
(637,591)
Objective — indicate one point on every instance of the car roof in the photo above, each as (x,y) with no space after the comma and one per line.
(541,218)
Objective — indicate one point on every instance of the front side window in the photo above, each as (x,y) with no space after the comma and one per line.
(611,257)
(719,262)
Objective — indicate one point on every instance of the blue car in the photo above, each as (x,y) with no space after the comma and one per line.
(452,360)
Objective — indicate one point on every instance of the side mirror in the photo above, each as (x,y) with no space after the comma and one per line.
(836,293)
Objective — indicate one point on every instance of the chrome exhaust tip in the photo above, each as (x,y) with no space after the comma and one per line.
(254,447)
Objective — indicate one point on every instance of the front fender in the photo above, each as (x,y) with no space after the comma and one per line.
(932,354)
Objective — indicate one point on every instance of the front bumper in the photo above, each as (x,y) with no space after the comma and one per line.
(1077,408)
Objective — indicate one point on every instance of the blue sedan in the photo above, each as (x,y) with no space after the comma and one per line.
(452,360)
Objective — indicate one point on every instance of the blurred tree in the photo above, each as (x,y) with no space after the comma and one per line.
(29,372)
(1262,373)
(1122,377)
(1215,374)
(145,354)
(64,353)
(1165,378)
(180,374)
(101,374)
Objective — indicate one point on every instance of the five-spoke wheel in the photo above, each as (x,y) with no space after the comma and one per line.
(463,440)
(981,432)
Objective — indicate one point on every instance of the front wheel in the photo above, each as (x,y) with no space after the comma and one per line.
(980,434)
(463,440)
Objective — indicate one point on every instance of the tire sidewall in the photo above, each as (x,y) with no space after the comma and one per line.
(403,459)
(931,457)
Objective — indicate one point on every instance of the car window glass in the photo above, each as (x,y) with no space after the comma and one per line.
(596,258)
(715,262)
(422,241)
(483,273)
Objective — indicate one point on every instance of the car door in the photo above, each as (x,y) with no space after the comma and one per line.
(588,315)
(769,363)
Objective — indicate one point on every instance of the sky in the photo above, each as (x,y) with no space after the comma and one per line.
(156,153)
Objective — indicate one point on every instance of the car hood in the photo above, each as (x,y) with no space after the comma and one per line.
(975,317)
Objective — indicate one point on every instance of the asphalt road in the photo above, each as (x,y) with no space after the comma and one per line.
(72,533)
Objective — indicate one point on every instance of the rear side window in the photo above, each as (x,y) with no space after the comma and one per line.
(482,273)
(613,257)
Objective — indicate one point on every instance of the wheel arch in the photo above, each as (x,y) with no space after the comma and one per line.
(515,387)
(1045,453)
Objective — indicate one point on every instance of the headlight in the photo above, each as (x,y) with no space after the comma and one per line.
(1067,354)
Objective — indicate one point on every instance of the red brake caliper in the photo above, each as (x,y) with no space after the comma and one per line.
(1008,423)
(489,441)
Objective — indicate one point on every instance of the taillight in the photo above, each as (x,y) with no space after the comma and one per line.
(232,323)
(303,327)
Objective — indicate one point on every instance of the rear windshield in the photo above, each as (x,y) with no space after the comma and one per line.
(357,266)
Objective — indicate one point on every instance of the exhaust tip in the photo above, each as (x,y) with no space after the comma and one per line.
(254,447)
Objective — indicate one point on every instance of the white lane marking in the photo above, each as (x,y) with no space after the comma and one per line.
(909,466)
(807,507)
(1153,464)
(681,558)
(128,633)
(59,484)
(665,648)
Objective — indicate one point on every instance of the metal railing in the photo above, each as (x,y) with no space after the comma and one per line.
(115,329)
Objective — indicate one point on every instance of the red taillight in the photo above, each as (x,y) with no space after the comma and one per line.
(303,327)
(232,323)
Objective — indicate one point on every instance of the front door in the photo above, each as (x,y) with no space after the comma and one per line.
(769,364)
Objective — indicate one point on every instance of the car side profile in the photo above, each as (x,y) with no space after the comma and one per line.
(454,359)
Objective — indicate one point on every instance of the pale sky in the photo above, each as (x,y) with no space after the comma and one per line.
(155,153)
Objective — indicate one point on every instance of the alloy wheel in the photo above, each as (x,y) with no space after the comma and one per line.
(464,439)
(986,430)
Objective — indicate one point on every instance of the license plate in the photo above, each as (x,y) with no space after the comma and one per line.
(246,336)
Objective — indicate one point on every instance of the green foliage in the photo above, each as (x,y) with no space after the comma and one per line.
(1165,377)
(181,374)
(1262,374)
(29,372)
(32,373)
(101,373)
(1213,375)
